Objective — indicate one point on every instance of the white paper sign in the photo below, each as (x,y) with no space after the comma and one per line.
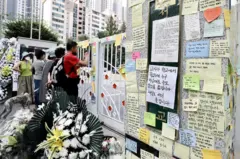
(161,85)
(192,26)
(165,39)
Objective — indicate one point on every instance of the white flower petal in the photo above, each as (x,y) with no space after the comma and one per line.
(86,139)
(68,122)
(62,121)
(82,154)
(74,143)
(73,155)
(63,152)
(66,143)
(84,128)
(66,132)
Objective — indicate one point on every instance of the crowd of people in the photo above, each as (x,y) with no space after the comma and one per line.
(35,77)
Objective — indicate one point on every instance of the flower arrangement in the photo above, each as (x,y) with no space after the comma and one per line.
(3,93)
(6,71)
(111,147)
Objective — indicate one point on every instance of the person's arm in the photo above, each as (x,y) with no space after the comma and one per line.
(85,62)
(17,67)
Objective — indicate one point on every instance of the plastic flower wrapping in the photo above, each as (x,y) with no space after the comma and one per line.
(111,147)
(3,93)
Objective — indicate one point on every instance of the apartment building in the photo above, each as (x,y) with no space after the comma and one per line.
(81,18)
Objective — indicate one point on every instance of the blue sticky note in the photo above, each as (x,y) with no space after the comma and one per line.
(187,137)
(131,145)
(214,29)
(130,66)
(197,49)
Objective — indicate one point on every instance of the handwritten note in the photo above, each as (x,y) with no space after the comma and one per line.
(128,46)
(214,29)
(187,137)
(137,15)
(136,55)
(165,40)
(204,66)
(161,143)
(161,4)
(142,82)
(146,155)
(163,155)
(131,145)
(192,26)
(211,154)
(161,85)
(173,120)
(131,80)
(190,105)
(197,49)
(142,99)
(205,4)
(150,119)
(144,135)
(213,85)
(190,7)
(191,82)
(227,17)
(181,151)
(118,39)
(133,114)
(130,65)
(203,141)
(168,131)
(141,64)
(219,48)
(138,34)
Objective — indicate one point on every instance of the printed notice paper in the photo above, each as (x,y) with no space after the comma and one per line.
(137,15)
(138,37)
(205,4)
(161,143)
(190,105)
(181,151)
(144,135)
(214,29)
(168,131)
(211,154)
(213,85)
(161,4)
(197,49)
(219,48)
(191,82)
(192,26)
(131,145)
(150,119)
(142,82)
(187,137)
(227,17)
(161,85)
(173,120)
(190,7)
(141,64)
(146,155)
(165,39)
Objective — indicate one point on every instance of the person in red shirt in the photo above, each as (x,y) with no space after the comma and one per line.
(71,65)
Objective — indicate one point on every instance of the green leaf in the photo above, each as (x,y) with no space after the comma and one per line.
(12,141)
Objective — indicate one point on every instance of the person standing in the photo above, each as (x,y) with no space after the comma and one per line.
(25,81)
(38,65)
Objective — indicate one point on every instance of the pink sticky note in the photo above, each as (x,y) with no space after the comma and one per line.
(94,44)
(107,38)
(136,55)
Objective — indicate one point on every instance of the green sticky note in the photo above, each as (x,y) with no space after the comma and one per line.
(191,82)
(150,119)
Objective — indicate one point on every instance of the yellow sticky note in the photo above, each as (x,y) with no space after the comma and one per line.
(93,87)
(85,44)
(141,64)
(213,85)
(227,17)
(211,154)
(191,82)
(137,15)
(168,131)
(144,135)
(118,39)
(181,151)
(150,119)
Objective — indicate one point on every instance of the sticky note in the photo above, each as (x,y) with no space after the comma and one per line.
(141,64)
(131,145)
(211,154)
(227,17)
(191,82)
(173,120)
(85,44)
(197,49)
(181,151)
(187,137)
(213,85)
(144,135)
(150,119)
(168,131)
(214,29)
(190,105)
(136,55)
(212,13)
(118,39)
(130,66)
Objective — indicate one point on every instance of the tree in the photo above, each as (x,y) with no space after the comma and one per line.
(83,37)
(112,27)
(21,28)
(102,34)
(123,27)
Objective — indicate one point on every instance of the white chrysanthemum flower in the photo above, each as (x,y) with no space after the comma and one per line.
(82,154)
(68,122)
(60,127)
(73,132)
(75,143)
(63,152)
(56,155)
(112,140)
(66,132)
(66,143)
(86,139)
(79,117)
(73,155)
(62,121)
(84,128)
(41,106)
(9,149)
(70,115)
(105,143)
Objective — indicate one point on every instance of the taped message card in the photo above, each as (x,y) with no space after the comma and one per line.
(206,4)
(141,64)
(161,143)
(191,82)
(173,120)
(168,131)
(161,85)
(187,137)
(165,39)
(131,82)
(190,7)
(214,29)
(213,85)
(197,49)
(219,48)
(190,105)
(192,26)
